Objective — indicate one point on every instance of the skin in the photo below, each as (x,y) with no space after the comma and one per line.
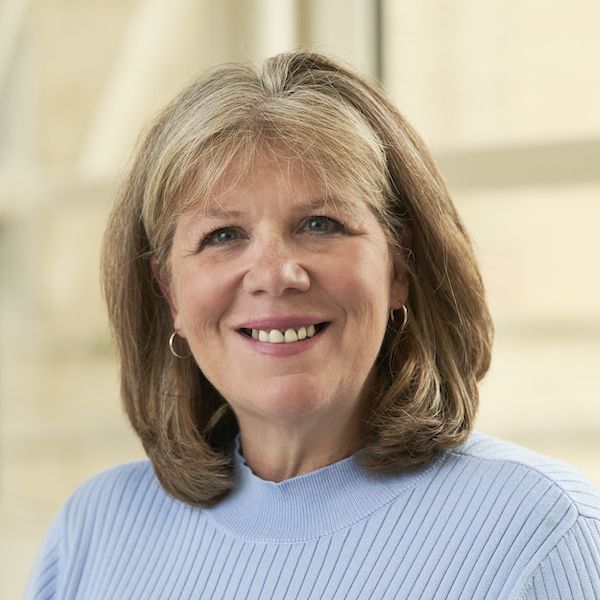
(276,257)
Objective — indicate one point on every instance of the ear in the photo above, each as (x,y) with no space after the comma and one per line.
(399,287)
(165,290)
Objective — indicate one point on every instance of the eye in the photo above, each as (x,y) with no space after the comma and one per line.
(220,237)
(321,224)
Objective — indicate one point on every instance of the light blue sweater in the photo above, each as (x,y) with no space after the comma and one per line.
(489,520)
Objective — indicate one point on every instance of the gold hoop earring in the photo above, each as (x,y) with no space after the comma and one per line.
(172,347)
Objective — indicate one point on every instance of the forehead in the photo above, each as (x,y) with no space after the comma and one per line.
(282,185)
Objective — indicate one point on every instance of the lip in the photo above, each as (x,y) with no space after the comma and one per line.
(281,350)
(294,322)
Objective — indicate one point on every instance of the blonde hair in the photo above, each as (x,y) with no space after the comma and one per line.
(305,108)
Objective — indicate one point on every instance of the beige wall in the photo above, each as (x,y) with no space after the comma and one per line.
(506,93)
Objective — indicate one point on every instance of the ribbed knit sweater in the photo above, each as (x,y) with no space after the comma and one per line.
(489,520)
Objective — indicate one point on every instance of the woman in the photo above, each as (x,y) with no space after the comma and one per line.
(301,327)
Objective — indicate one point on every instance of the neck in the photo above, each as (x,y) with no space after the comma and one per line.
(277,453)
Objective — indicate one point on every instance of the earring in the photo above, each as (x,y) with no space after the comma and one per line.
(172,347)
(404,317)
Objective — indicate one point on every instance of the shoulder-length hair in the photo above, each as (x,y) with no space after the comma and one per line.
(343,130)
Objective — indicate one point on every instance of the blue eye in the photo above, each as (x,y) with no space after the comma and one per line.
(219,237)
(321,224)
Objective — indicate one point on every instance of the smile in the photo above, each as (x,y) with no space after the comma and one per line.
(284,336)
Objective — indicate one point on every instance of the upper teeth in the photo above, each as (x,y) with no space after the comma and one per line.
(276,336)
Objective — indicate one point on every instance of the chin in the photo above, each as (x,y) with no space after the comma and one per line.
(290,403)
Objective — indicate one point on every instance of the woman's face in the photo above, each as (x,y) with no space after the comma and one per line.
(267,255)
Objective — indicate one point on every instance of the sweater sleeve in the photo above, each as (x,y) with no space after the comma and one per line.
(571,570)
(43,580)
(63,562)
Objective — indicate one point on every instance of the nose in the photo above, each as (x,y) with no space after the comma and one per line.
(275,268)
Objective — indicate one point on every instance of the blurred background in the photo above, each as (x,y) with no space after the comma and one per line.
(506,93)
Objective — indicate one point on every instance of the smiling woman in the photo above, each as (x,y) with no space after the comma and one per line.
(301,328)
(281,270)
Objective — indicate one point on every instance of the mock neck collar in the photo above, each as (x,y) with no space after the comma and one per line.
(307,506)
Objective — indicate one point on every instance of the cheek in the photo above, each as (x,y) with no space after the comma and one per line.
(360,284)
(201,299)
(362,276)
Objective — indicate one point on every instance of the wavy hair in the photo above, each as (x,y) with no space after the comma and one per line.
(343,130)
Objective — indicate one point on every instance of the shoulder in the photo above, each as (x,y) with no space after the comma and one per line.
(541,475)
(106,503)
(522,510)
(127,484)
(120,477)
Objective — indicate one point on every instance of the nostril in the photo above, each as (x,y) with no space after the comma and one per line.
(276,275)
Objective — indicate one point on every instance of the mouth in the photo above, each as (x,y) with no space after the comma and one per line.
(290,335)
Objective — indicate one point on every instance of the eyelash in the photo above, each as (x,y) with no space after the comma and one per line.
(339,227)
(207,239)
